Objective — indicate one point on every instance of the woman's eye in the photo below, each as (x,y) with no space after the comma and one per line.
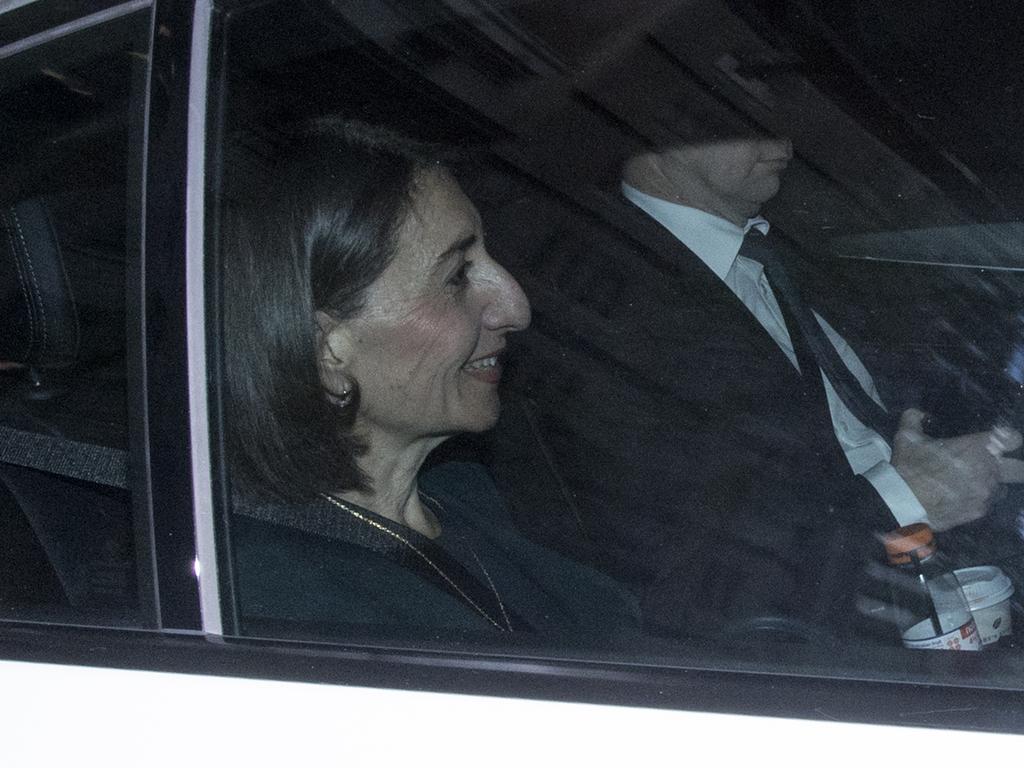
(461,276)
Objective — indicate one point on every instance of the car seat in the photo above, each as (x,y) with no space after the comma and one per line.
(64,507)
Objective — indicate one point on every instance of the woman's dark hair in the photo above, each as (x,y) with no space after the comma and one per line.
(310,221)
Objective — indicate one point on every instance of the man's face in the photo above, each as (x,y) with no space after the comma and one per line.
(732,178)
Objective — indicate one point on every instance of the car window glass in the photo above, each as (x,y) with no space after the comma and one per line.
(656,426)
(71,120)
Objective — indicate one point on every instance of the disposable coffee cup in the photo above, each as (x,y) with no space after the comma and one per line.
(922,636)
(988,591)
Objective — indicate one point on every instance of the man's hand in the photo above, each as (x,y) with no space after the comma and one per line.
(955,479)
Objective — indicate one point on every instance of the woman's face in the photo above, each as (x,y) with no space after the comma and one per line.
(426,348)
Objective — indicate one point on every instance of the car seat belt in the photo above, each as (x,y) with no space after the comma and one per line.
(62,456)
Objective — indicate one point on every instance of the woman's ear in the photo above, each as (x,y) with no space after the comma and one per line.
(334,355)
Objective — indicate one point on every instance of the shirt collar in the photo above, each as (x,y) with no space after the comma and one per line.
(715,240)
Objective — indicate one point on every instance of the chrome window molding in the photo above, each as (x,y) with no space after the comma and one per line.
(71,27)
(206,556)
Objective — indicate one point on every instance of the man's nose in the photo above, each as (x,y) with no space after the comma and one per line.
(778,148)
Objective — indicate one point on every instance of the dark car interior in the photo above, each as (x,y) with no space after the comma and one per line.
(69,548)
(904,186)
(899,190)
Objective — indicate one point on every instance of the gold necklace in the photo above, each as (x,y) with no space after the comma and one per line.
(490,583)
(383,529)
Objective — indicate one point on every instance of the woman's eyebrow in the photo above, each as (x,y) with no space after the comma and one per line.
(458,246)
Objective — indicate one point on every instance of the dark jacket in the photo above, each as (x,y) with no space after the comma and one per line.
(653,427)
(288,573)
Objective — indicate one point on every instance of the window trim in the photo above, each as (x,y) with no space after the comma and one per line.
(72,27)
(599,681)
(165,463)
(195,302)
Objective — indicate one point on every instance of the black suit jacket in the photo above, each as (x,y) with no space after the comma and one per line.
(655,429)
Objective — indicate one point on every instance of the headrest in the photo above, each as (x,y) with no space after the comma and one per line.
(38,318)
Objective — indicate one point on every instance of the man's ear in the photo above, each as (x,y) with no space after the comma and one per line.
(334,354)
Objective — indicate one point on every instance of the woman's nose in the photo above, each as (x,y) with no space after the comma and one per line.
(508,308)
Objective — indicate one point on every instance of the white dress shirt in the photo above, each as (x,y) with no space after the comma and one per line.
(717,243)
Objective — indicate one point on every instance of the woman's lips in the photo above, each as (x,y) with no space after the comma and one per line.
(487,369)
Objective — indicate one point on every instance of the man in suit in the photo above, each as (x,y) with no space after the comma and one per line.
(675,407)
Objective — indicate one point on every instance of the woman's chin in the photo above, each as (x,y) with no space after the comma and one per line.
(484,419)
(484,424)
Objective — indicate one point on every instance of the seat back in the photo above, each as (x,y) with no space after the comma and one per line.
(37,309)
(63,501)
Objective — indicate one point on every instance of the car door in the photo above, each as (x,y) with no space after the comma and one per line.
(122,627)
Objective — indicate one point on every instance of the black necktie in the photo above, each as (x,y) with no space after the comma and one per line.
(807,334)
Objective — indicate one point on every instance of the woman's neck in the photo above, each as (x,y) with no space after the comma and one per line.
(394,492)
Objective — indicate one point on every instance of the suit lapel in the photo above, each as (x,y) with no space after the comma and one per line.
(698,286)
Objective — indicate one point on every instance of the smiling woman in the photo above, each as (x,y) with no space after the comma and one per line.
(364,325)
(426,349)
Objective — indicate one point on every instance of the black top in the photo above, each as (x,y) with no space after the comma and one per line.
(320,563)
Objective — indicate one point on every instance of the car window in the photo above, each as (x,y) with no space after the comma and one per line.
(70,197)
(400,345)
(660,448)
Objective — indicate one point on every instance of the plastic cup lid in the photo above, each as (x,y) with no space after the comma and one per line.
(984,585)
